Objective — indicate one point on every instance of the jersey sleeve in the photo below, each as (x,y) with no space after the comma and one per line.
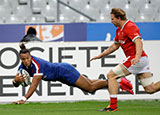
(133,32)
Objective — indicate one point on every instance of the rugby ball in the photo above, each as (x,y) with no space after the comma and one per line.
(27,77)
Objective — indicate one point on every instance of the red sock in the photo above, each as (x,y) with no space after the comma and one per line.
(113,102)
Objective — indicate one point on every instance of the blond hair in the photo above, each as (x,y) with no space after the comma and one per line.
(119,13)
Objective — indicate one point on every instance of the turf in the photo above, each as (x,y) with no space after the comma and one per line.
(82,108)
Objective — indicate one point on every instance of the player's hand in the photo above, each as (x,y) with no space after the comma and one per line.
(134,61)
(19,102)
(96,57)
(19,78)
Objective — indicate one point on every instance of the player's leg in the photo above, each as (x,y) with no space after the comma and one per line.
(92,80)
(146,80)
(97,81)
(70,76)
(123,83)
(89,85)
(146,77)
(118,71)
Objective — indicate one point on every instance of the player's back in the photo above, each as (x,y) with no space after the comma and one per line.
(47,69)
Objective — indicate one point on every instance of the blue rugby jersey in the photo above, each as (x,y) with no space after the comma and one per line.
(42,67)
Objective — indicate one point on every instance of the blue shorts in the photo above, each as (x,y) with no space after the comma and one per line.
(67,74)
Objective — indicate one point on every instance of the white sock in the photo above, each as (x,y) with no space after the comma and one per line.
(113,96)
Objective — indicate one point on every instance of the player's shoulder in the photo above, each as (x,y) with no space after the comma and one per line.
(131,24)
(38,60)
(20,66)
(34,58)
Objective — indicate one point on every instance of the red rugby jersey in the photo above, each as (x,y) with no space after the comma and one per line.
(126,35)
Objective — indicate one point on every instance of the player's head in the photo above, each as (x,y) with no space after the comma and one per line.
(25,55)
(31,30)
(117,15)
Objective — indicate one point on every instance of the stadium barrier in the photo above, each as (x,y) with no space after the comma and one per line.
(74,31)
(77,54)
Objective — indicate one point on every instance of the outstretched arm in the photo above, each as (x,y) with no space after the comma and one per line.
(108,51)
(35,82)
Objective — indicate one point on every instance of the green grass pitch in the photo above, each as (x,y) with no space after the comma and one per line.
(139,107)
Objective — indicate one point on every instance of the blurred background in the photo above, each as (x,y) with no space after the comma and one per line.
(75,20)
(42,11)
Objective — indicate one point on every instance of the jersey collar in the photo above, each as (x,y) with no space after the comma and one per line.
(124,24)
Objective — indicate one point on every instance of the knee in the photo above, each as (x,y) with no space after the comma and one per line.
(110,75)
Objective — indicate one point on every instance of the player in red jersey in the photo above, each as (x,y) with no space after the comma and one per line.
(129,39)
